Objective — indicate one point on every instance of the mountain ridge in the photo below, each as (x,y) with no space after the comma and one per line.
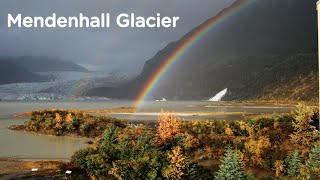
(12,73)
(45,64)
(271,30)
(27,69)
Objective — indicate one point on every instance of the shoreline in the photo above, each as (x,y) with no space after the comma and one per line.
(22,128)
(22,169)
(34,159)
(186,114)
(87,111)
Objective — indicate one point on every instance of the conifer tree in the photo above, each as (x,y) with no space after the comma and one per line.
(230,168)
(294,164)
(313,163)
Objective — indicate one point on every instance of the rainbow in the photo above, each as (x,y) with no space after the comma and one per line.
(177,54)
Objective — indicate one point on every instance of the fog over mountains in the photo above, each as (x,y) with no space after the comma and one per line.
(267,50)
(100,49)
(40,57)
(269,42)
(25,69)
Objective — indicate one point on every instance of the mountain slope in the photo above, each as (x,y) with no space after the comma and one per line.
(302,87)
(44,64)
(267,41)
(11,73)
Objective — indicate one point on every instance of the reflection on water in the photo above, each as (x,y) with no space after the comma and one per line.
(22,145)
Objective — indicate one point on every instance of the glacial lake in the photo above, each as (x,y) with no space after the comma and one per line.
(24,145)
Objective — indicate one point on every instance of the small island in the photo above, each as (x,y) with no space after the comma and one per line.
(67,123)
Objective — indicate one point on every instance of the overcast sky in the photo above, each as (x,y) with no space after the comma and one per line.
(114,48)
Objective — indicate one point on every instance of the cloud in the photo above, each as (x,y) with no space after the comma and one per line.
(105,48)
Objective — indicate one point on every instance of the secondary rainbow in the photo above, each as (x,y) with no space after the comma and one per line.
(151,83)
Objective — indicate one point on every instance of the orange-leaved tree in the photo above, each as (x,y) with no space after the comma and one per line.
(168,127)
(178,164)
(305,132)
(69,117)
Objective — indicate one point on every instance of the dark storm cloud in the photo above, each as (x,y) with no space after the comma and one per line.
(105,48)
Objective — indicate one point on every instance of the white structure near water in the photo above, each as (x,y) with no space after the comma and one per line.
(162,100)
(219,96)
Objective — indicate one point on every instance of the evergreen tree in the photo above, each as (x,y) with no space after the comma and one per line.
(230,168)
(294,164)
(313,163)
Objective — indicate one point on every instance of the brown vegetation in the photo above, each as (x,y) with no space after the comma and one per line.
(72,123)
(88,111)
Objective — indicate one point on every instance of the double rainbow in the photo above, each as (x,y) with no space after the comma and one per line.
(177,54)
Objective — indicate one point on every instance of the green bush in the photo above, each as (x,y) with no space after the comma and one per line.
(86,127)
(123,153)
(79,158)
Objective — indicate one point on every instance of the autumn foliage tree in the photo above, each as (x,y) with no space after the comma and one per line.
(305,133)
(168,127)
(178,164)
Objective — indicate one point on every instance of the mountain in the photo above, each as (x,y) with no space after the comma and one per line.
(28,69)
(266,44)
(302,87)
(12,73)
(45,64)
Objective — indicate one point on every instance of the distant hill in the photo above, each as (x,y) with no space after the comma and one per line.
(45,64)
(261,47)
(302,87)
(24,69)
(12,73)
